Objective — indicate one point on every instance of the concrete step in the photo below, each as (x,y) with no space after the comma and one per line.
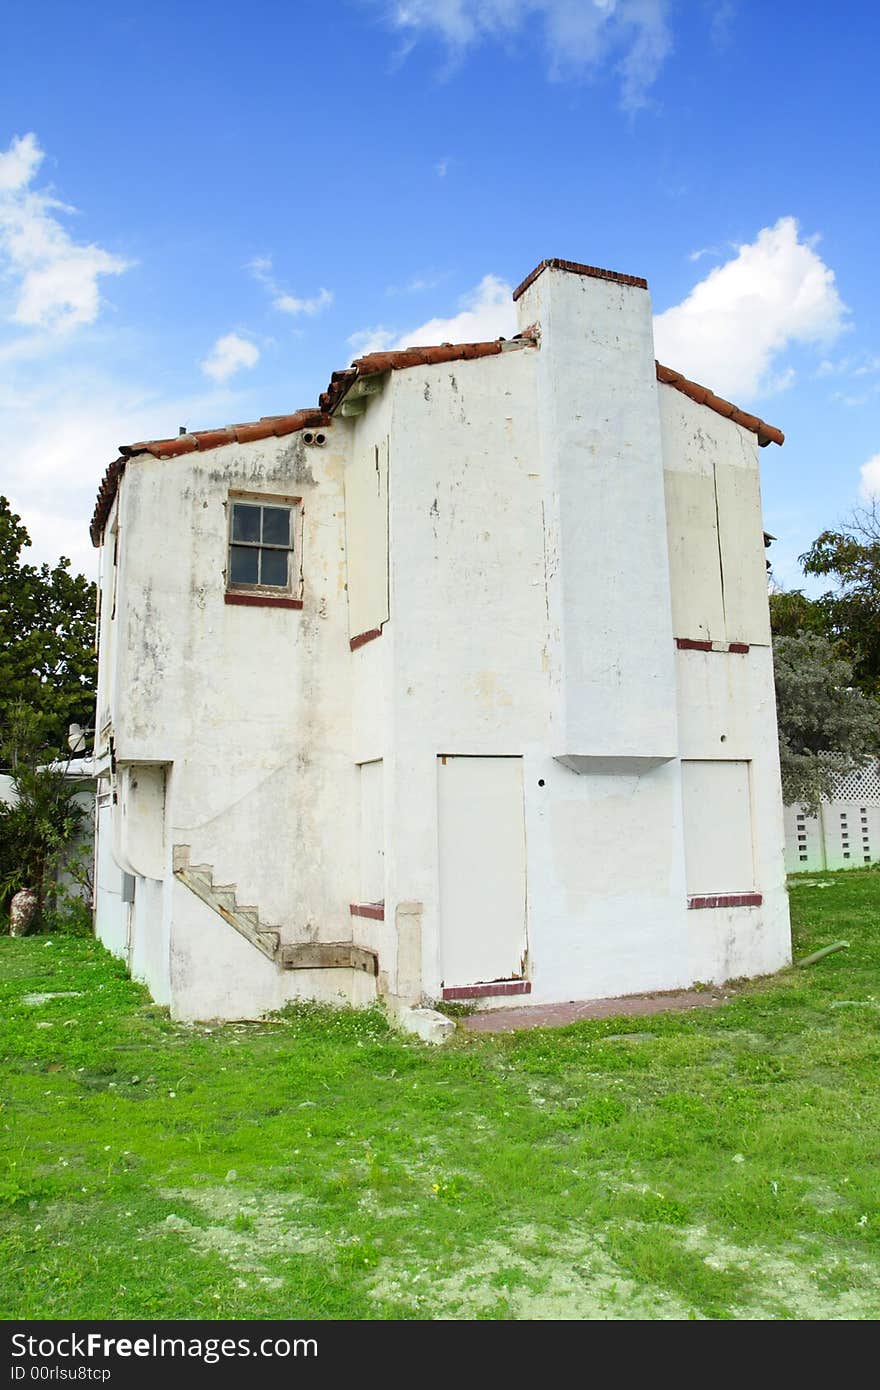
(328,955)
(199,878)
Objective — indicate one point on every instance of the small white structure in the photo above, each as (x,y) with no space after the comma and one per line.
(846,832)
(459,686)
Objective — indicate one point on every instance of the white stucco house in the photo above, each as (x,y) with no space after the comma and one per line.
(458,686)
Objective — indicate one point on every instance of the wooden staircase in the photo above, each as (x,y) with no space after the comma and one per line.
(302,955)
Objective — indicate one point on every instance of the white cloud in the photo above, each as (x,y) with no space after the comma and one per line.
(731,332)
(869,486)
(486,312)
(713,251)
(371,340)
(579,37)
(289,304)
(20,162)
(416,285)
(54,278)
(65,432)
(262,271)
(229,355)
(732,329)
(441,168)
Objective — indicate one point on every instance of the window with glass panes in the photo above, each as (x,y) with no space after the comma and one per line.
(261,540)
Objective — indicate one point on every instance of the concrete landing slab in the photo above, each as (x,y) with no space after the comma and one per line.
(558,1015)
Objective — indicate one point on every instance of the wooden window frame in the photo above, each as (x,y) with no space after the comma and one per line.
(267,595)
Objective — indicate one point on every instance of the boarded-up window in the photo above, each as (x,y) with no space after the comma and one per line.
(718,572)
(366,539)
(717,827)
(694,567)
(743,564)
(372,833)
(482,869)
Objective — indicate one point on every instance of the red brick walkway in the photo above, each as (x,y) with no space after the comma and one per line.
(557,1015)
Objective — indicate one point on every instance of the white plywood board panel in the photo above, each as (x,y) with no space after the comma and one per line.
(482,869)
(372,880)
(694,560)
(743,562)
(717,827)
(366,538)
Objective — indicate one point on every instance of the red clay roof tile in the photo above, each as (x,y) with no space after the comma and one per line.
(767,434)
(266,428)
(595,272)
(377,362)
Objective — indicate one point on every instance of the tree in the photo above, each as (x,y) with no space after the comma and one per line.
(792,612)
(850,555)
(47,622)
(37,833)
(826,726)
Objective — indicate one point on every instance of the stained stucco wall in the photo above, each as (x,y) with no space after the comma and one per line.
(602,462)
(247,709)
(549,520)
(726,700)
(468,600)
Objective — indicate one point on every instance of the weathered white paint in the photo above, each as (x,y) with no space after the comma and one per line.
(366,538)
(719,856)
(610,638)
(743,566)
(112,917)
(542,508)
(372,827)
(694,555)
(713,517)
(482,869)
(139,823)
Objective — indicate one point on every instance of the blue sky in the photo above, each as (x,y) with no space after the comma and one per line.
(204,211)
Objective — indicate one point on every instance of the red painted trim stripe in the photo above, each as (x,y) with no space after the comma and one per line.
(488,991)
(697,644)
(364,637)
(262,601)
(727,900)
(374,910)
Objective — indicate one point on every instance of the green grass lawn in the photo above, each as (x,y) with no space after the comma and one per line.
(720,1163)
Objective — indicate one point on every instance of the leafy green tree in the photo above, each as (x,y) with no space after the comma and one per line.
(826,725)
(792,612)
(850,556)
(37,833)
(47,623)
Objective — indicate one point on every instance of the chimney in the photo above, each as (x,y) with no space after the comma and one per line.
(612,663)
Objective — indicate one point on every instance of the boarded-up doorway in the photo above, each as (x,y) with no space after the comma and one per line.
(482,869)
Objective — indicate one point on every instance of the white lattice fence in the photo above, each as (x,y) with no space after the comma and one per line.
(862,785)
